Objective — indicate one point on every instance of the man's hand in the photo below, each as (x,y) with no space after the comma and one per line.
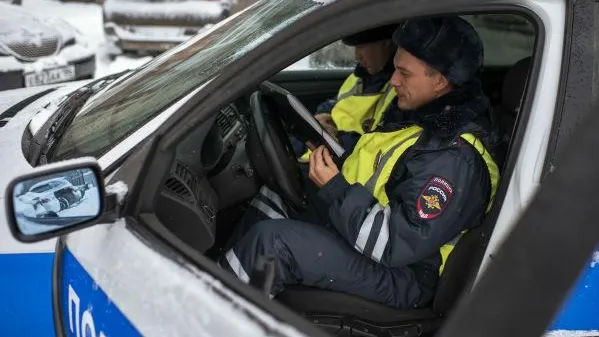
(322,167)
(327,123)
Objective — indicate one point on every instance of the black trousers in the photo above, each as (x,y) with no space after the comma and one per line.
(309,252)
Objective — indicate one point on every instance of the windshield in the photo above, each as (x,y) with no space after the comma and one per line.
(107,119)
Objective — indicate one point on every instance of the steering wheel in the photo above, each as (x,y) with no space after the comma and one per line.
(270,152)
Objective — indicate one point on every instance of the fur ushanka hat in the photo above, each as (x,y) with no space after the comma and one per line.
(448,44)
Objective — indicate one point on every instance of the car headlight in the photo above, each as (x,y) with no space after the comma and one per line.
(68,42)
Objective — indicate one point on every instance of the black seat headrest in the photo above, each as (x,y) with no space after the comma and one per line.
(514,83)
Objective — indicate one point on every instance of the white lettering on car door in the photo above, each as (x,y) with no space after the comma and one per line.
(84,324)
(87,324)
(74,299)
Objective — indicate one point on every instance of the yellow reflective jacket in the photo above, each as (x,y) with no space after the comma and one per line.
(372,163)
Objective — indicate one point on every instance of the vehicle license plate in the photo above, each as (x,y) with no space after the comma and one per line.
(49,76)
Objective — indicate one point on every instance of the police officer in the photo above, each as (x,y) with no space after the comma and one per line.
(365,94)
(405,194)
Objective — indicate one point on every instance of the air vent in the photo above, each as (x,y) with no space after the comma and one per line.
(226,119)
(183,183)
(179,189)
(3,122)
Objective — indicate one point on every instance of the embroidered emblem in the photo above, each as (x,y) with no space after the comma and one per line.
(432,202)
(434,198)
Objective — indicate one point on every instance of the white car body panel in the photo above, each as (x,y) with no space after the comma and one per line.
(531,159)
(10,140)
(133,276)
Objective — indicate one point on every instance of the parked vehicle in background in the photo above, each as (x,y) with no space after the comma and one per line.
(52,196)
(154,26)
(36,50)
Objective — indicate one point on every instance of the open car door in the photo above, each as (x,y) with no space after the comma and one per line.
(522,290)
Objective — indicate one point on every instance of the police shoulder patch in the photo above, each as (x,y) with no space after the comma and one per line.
(434,198)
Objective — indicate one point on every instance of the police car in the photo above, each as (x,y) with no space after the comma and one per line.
(175,149)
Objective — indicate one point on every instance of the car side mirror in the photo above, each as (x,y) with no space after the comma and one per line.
(55,199)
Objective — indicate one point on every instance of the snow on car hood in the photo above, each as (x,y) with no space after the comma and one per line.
(33,114)
(29,37)
(175,10)
(9,98)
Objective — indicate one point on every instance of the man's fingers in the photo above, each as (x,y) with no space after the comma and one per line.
(318,161)
(330,130)
(326,120)
(315,166)
(323,117)
(330,123)
(312,164)
(328,159)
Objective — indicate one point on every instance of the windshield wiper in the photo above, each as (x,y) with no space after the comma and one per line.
(48,137)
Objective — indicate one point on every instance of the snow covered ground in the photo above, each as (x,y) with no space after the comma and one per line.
(87,18)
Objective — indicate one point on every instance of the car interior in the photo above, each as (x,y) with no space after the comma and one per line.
(220,166)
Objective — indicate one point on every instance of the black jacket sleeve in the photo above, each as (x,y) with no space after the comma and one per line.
(436,195)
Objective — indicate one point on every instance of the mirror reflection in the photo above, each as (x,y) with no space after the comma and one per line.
(45,204)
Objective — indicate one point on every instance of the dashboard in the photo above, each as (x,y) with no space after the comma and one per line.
(210,173)
(229,129)
(232,176)
(230,124)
